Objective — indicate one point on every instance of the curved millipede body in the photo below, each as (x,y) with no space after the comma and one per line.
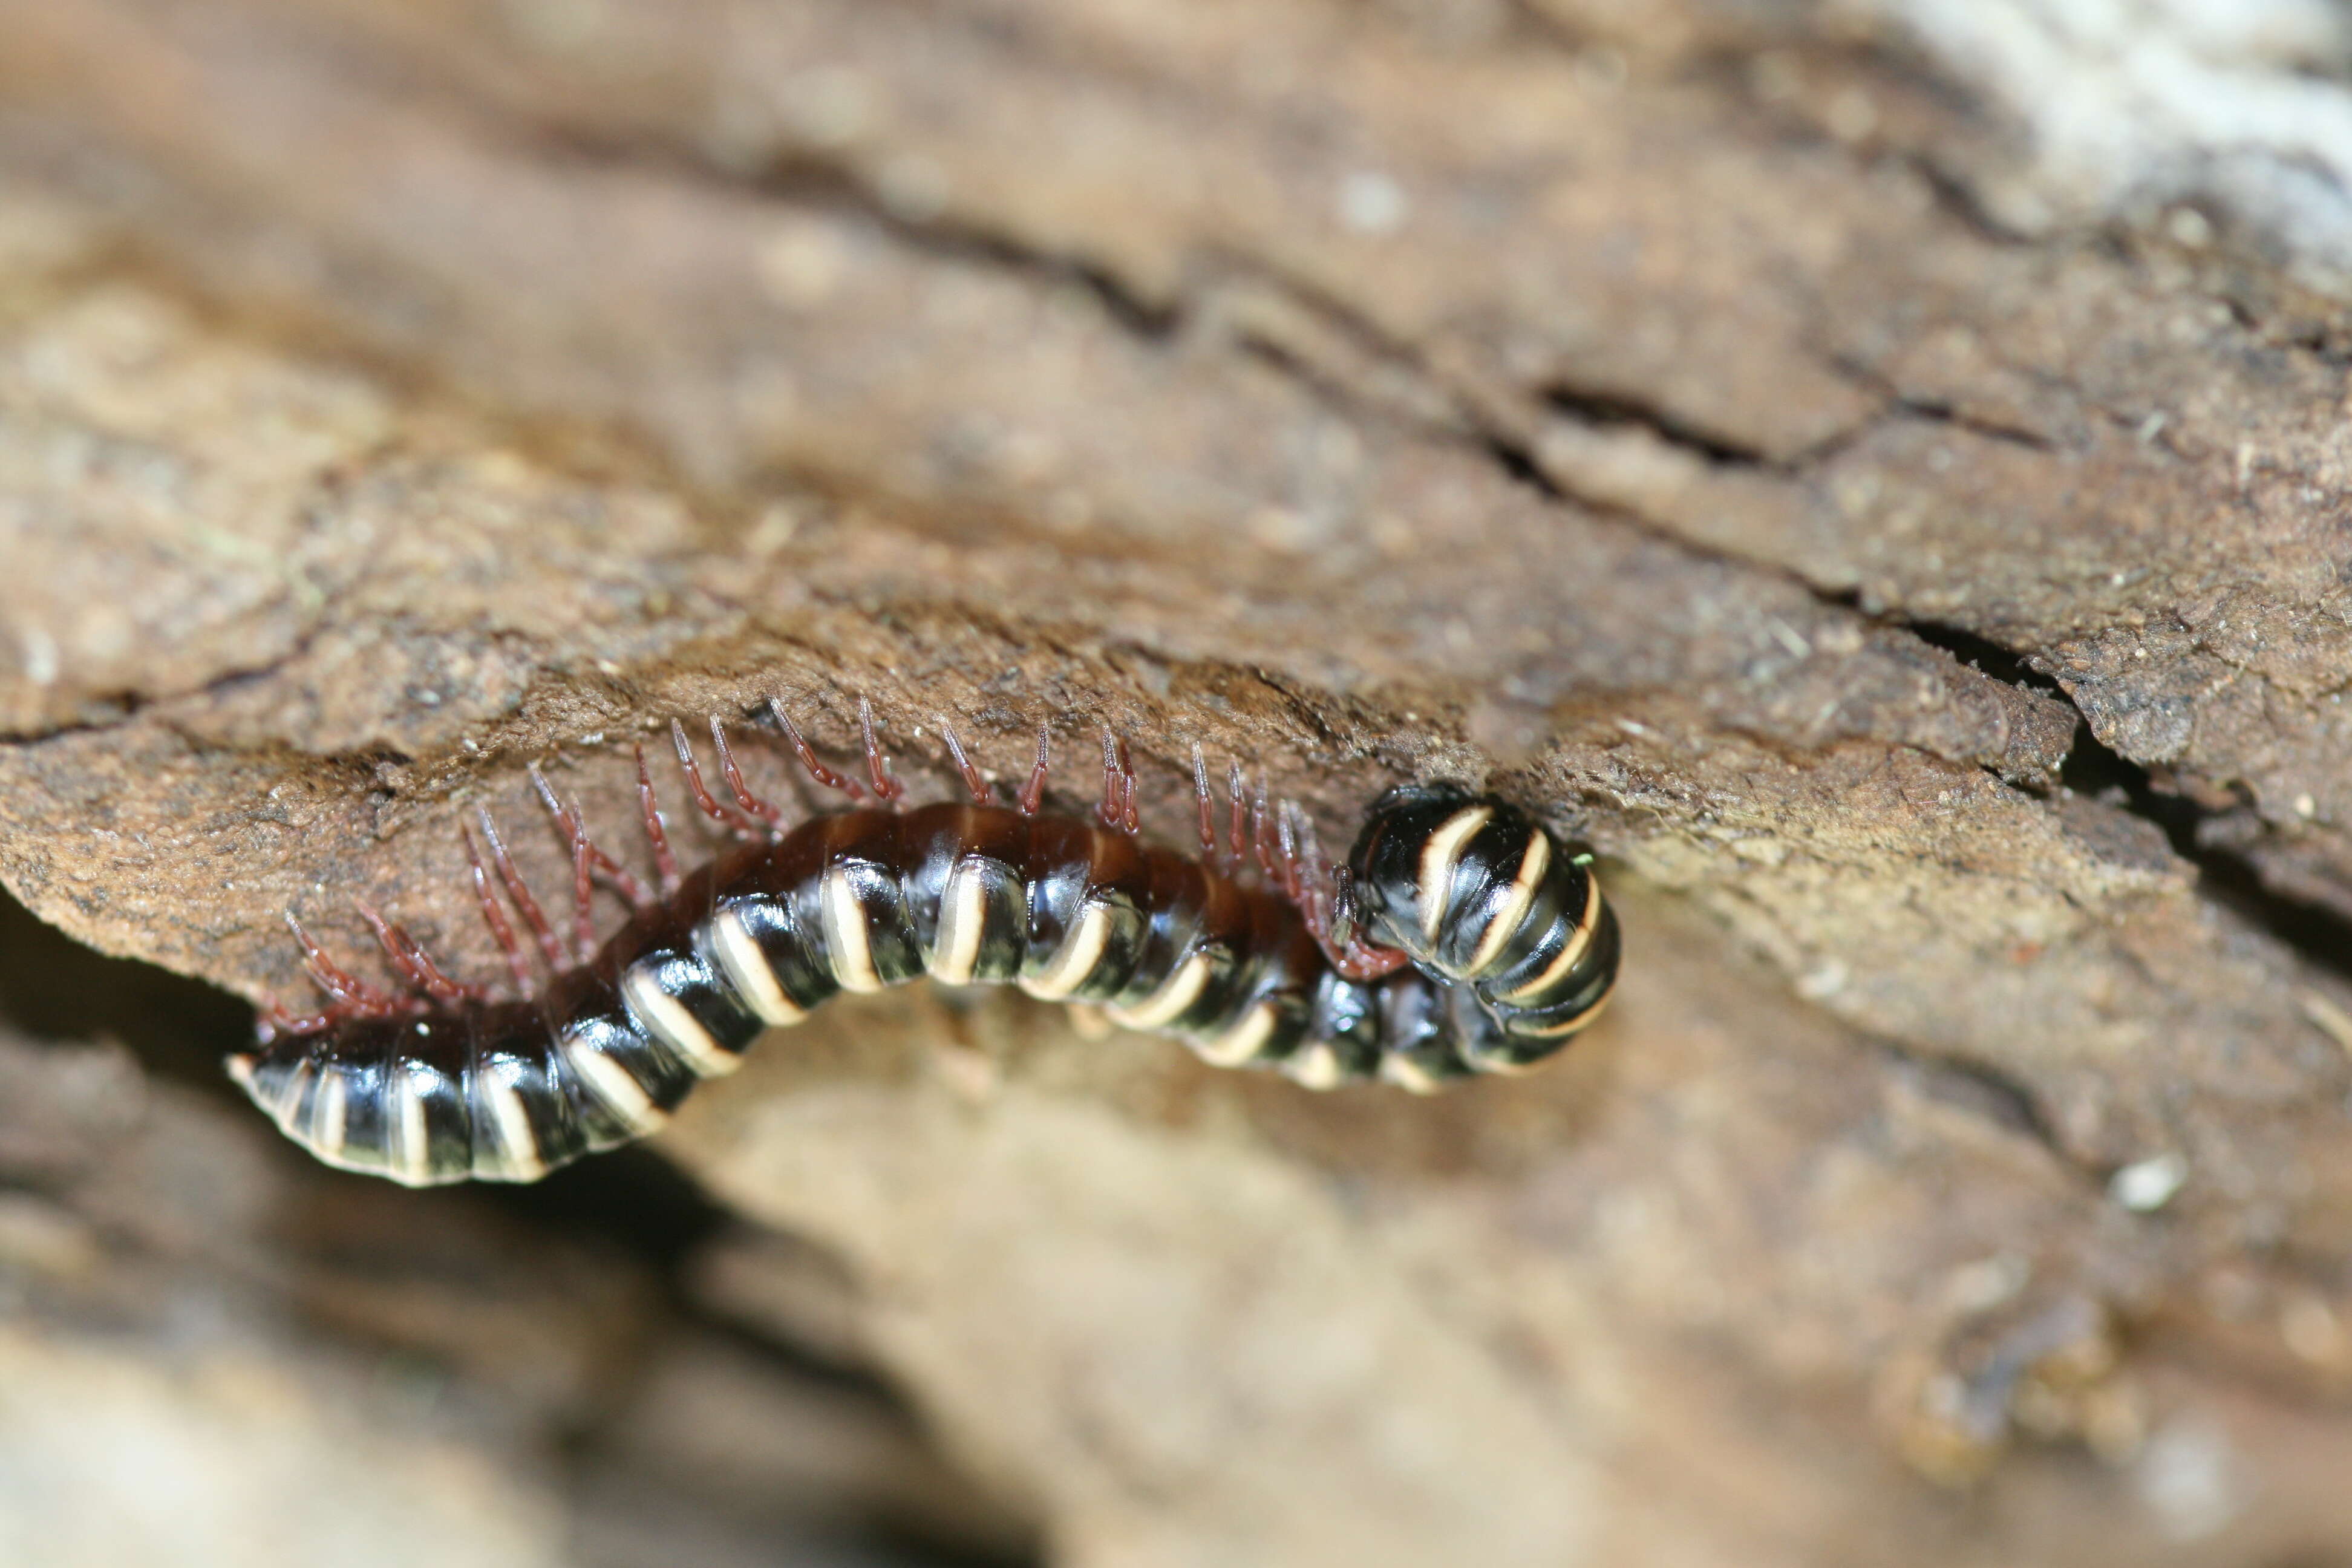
(1459,939)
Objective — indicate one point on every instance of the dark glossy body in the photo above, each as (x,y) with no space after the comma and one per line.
(1513,946)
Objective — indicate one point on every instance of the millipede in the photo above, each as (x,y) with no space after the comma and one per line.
(1458,938)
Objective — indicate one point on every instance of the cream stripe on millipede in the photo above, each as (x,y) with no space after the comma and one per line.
(963,920)
(1506,923)
(845,945)
(1569,951)
(610,1082)
(665,1018)
(1176,993)
(1438,858)
(747,968)
(1240,1043)
(512,1119)
(1081,951)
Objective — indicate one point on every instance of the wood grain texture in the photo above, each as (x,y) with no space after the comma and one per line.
(1582,399)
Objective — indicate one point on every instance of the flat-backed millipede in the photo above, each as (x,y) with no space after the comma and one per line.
(1459,937)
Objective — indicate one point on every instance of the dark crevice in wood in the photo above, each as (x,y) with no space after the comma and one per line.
(1603,409)
(1945,414)
(2320,936)
(1900,405)
(1988,1091)
(815,183)
(1980,653)
(818,183)
(1515,462)
(54,989)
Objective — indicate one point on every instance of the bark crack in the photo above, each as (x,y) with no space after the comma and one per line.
(1992,1093)
(2227,878)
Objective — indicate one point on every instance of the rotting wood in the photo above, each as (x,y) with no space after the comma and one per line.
(391,394)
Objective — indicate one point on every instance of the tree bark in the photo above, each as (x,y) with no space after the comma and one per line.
(1652,413)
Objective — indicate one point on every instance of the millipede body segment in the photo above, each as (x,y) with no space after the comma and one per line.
(1459,939)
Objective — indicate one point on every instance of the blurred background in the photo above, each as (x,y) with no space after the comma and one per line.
(1875,470)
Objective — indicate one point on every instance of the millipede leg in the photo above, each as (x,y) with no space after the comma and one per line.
(274,1020)
(751,804)
(353,997)
(886,789)
(532,915)
(1032,793)
(649,811)
(570,823)
(1237,844)
(1209,848)
(734,822)
(973,781)
(493,915)
(1326,897)
(1131,820)
(407,955)
(1314,871)
(816,770)
(1111,812)
(583,902)
(1287,859)
(1262,832)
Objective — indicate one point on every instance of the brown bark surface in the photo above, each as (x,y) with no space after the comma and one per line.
(1940,634)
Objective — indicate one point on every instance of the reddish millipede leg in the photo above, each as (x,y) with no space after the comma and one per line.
(532,915)
(493,915)
(1032,793)
(1108,812)
(1208,810)
(886,789)
(569,822)
(1117,809)
(275,1020)
(1313,875)
(649,809)
(583,902)
(816,770)
(1350,955)
(585,859)
(1294,879)
(1316,872)
(353,997)
(1237,844)
(1261,840)
(415,965)
(1325,897)
(734,822)
(973,781)
(750,803)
